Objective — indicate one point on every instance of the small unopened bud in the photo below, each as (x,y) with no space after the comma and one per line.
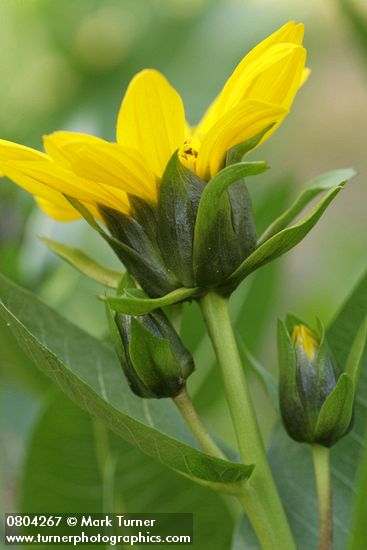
(154,359)
(316,398)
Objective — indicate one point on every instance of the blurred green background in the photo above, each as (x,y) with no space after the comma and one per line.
(65,65)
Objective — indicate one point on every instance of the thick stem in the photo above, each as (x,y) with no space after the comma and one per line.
(193,420)
(260,498)
(321,461)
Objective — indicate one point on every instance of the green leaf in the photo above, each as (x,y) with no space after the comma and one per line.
(89,372)
(283,241)
(354,361)
(135,302)
(336,412)
(74,463)
(358,529)
(83,263)
(219,245)
(17,367)
(322,183)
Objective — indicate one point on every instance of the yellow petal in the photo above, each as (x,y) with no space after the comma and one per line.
(52,202)
(57,143)
(35,188)
(107,163)
(34,171)
(263,55)
(302,336)
(151,119)
(243,122)
(276,78)
(290,33)
(61,212)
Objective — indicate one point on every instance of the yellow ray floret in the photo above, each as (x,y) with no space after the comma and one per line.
(109,164)
(284,43)
(304,337)
(152,119)
(151,126)
(239,124)
(39,174)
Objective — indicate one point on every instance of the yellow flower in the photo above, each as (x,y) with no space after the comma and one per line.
(151,126)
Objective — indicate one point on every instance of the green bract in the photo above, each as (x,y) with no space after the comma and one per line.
(316,398)
(195,237)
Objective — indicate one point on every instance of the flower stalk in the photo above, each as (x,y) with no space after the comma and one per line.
(321,461)
(186,407)
(260,499)
(248,498)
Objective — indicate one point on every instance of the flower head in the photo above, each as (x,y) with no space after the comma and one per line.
(151,126)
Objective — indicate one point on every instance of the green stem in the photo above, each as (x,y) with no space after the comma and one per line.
(321,461)
(260,498)
(193,420)
(248,501)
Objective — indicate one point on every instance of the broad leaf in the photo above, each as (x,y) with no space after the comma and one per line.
(355,356)
(358,528)
(109,476)
(89,372)
(16,366)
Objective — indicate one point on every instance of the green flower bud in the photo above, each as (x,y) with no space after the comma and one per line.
(316,398)
(154,359)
